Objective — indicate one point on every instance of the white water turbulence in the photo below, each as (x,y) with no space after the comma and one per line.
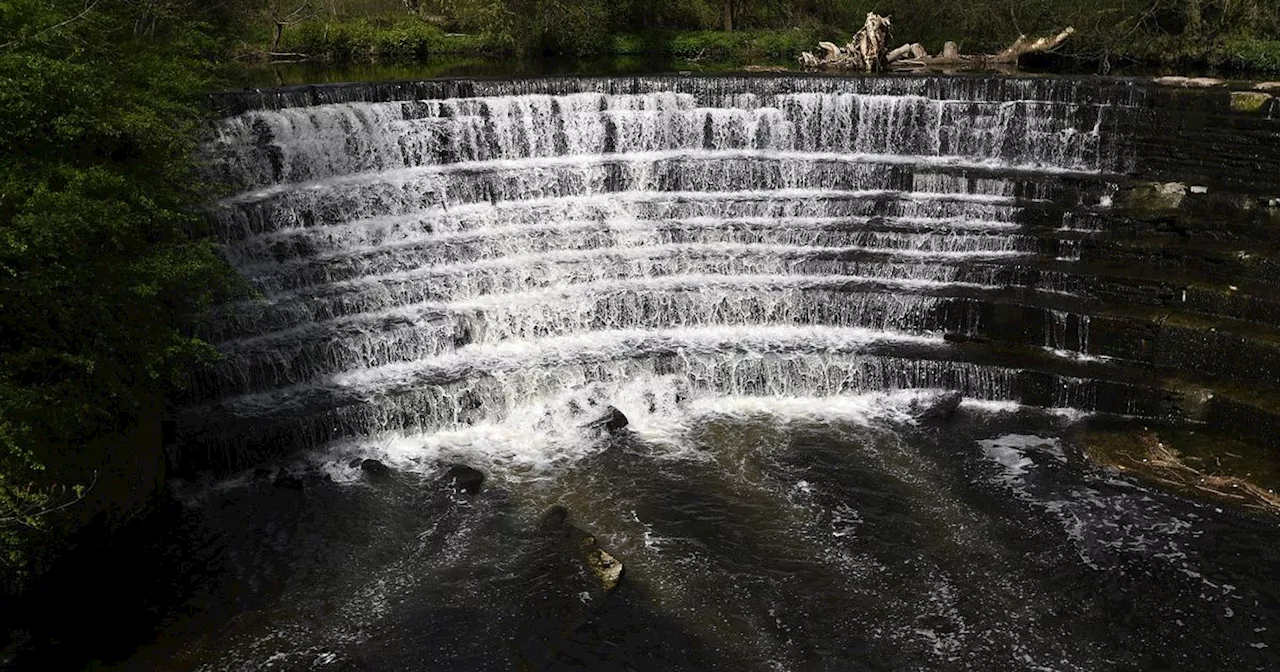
(519,258)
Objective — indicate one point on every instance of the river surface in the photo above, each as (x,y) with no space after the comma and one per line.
(774,279)
(757,533)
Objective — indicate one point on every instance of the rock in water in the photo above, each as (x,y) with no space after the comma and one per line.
(566,580)
(606,567)
(464,479)
(289,481)
(956,337)
(553,519)
(613,421)
(939,409)
(375,469)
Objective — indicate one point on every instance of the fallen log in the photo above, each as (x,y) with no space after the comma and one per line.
(1021,46)
(951,56)
(907,50)
(869,52)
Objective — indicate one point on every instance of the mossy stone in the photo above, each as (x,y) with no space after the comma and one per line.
(1249,101)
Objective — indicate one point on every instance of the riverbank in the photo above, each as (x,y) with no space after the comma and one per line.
(408,39)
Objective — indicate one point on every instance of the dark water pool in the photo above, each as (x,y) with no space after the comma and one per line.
(844,537)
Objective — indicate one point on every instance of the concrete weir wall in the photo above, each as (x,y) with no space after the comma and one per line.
(436,254)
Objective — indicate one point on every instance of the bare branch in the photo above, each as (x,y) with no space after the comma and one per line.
(1021,46)
(54,27)
(23,518)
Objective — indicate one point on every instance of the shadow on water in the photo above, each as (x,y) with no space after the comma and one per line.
(774,545)
(292,571)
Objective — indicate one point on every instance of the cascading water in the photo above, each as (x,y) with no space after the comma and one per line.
(425,262)
(770,277)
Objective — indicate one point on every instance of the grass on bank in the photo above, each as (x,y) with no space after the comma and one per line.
(372,40)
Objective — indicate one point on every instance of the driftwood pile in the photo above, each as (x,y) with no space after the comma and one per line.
(1144,455)
(869,52)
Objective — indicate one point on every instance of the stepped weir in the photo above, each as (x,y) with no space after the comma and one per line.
(510,337)
(432,255)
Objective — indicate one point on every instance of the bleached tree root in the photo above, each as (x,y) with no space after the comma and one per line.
(868,52)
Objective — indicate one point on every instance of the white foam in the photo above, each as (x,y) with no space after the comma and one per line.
(585,292)
(704,250)
(538,441)
(402,175)
(621,344)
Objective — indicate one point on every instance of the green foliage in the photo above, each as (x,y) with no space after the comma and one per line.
(1253,54)
(99,261)
(1235,33)
(774,45)
(361,39)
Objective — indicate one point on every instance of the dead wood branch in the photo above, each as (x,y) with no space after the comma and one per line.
(866,52)
(1022,46)
(869,52)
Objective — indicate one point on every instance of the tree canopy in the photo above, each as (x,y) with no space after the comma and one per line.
(101,258)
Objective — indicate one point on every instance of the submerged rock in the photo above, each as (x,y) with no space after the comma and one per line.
(602,566)
(375,469)
(289,481)
(464,479)
(613,421)
(941,408)
(957,337)
(553,519)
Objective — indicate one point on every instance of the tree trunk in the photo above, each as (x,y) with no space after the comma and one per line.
(728,16)
(275,36)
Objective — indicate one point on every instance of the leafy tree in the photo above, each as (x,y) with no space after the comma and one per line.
(101,262)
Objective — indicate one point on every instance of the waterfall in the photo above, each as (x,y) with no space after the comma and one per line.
(438,256)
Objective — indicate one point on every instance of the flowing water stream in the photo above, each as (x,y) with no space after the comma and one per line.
(771,278)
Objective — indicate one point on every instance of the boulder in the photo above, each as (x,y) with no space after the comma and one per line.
(375,470)
(942,408)
(1249,101)
(1155,198)
(565,582)
(464,479)
(613,421)
(605,569)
